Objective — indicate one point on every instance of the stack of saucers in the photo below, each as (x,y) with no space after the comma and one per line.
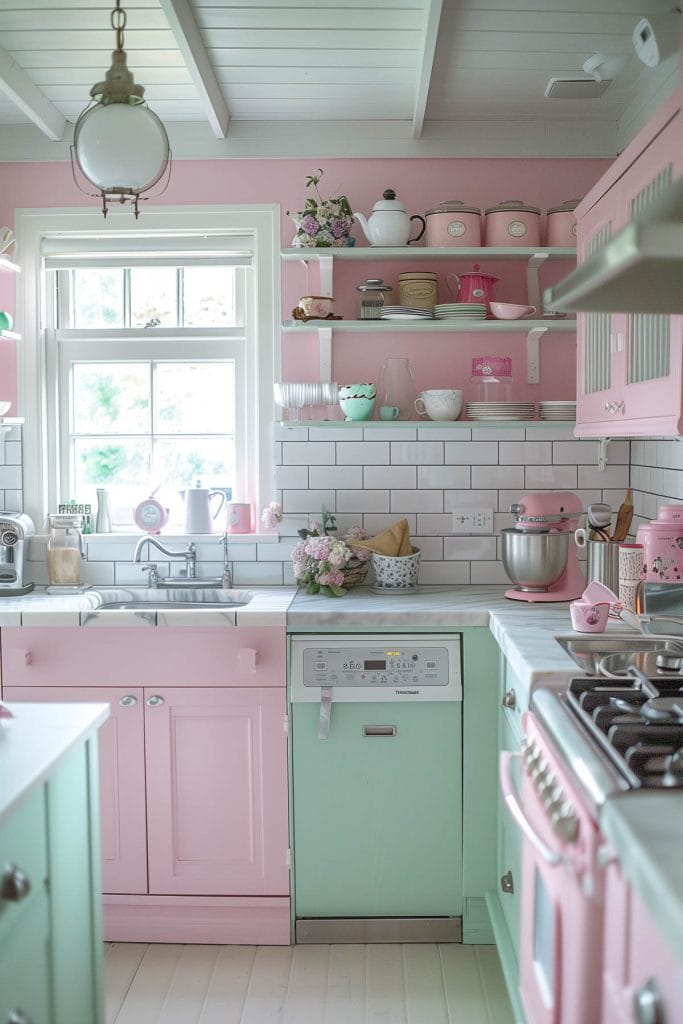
(557,410)
(500,410)
(460,311)
(405,313)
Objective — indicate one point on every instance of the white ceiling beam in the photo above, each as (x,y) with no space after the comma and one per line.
(184,27)
(26,95)
(432,18)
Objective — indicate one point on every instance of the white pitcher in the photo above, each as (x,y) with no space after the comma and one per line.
(199,513)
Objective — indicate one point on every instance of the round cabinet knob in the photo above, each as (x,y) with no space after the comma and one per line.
(155,700)
(128,701)
(510,700)
(648,1007)
(14,884)
(19,1017)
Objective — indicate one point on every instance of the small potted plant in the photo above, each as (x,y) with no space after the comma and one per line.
(323,223)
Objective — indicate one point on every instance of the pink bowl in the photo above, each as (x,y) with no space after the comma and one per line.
(510,310)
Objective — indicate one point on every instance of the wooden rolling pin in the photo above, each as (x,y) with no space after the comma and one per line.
(624,517)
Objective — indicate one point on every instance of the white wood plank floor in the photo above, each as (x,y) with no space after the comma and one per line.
(412,983)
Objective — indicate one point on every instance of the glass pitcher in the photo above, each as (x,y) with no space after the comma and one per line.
(65,551)
(397,387)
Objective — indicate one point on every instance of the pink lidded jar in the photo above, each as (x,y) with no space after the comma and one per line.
(452,224)
(512,223)
(561,224)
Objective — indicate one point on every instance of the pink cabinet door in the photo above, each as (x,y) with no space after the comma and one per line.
(122,779)
(216,791)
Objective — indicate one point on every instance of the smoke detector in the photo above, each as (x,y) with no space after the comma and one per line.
(656,38)
(577,87)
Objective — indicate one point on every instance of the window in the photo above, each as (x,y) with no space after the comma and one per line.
(157,360)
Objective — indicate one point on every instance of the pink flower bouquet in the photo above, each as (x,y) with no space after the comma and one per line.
(324,564)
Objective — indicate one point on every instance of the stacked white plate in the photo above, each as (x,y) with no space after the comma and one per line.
(405,313)
(557,410)
(500,410)
(460,311)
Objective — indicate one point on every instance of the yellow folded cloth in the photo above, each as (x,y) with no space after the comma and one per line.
(395,541)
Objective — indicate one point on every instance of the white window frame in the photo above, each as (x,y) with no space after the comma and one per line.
(36,369)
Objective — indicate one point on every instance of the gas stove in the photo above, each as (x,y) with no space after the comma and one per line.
(638,723)
(616,734)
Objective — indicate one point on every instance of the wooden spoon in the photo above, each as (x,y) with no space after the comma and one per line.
(624,517)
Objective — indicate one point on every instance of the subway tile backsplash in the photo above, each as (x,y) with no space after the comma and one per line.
(375,475)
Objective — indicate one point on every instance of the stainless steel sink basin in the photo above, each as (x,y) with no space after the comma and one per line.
(589,651)
(151,599)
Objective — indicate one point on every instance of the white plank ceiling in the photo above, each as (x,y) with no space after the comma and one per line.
(357,77)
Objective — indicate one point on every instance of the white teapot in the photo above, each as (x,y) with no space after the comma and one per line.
(389,224)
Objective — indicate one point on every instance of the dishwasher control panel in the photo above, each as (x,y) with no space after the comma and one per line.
(412,666)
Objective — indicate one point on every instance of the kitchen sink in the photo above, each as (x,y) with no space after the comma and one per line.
(151,599)
(589,651)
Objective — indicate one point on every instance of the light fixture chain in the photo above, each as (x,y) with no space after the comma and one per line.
(118,23)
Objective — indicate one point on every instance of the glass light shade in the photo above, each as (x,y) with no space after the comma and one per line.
(120,147)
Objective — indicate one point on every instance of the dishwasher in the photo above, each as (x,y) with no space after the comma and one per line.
(376,755)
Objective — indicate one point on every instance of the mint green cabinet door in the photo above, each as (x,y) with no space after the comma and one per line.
(75,887)
(25,966)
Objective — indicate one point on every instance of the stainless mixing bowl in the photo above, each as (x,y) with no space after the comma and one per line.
(534,560)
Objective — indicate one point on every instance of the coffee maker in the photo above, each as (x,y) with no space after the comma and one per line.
(15,529)
(538,553)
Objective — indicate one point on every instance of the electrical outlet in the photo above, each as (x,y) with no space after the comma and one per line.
(472,520)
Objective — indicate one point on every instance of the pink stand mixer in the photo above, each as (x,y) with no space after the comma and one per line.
(537,553)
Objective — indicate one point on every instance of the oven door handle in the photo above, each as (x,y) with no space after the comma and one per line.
(511,802)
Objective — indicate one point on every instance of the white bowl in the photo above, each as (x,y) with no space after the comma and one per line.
(396,571)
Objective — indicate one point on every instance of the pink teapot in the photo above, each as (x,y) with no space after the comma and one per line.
(662,541)
(474,286)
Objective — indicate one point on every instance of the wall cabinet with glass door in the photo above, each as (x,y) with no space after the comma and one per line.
(629,365)
(531,259)
(193,776)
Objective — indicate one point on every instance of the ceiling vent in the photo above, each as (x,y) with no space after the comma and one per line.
(576,87)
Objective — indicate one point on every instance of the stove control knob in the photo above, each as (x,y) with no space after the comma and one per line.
(539,771)
(647,1004)
(547,788)
(565,824)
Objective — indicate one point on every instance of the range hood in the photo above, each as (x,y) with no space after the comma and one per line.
(640,270)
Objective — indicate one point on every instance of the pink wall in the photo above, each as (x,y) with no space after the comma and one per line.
(420,184)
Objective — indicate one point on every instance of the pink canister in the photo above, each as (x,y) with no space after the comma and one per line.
(512,223)
(561,224)
(662,540)
(239,517)
(452,224)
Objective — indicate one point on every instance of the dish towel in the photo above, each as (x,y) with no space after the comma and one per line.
(394,541)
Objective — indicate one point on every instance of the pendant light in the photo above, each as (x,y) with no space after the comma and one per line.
(120,145)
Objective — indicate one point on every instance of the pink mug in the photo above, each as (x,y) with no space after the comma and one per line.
(238,517)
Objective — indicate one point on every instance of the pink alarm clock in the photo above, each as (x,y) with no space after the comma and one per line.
(150,515)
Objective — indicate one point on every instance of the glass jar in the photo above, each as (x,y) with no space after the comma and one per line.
(65,551)
(372,298)
(491,378)
(397,387)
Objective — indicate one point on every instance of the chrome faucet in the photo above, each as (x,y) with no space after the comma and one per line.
(226,578)
(189,554)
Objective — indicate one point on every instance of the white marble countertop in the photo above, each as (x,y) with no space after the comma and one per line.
(646,832)
(36,737)
(267,607)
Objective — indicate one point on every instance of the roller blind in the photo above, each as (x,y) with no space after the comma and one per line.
(169,250)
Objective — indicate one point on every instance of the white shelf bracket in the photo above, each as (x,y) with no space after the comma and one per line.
(533,285)
(325,340)
(602,453)
(533,357)
(326,278)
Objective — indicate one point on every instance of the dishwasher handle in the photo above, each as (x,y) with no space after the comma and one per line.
(379,730)
(325,712)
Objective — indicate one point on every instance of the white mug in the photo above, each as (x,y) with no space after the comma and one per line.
(439,403)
